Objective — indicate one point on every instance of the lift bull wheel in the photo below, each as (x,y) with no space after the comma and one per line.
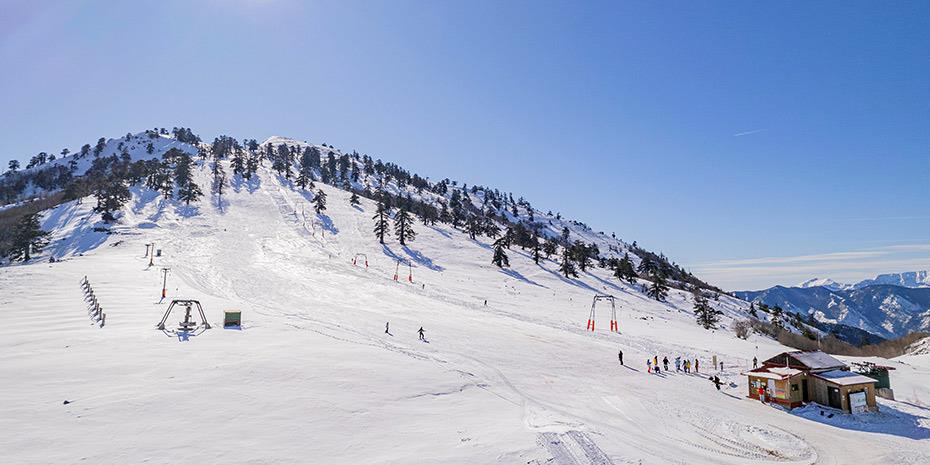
(614,327)
(188,324)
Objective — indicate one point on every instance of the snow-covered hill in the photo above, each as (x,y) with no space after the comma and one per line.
(824,282)
(508,373)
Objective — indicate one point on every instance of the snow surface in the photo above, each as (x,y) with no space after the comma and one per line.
(312,377)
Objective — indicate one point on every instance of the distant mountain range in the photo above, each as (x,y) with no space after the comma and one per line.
(890,305)
(912,279)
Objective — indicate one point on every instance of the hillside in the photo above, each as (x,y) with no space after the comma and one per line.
(508,373)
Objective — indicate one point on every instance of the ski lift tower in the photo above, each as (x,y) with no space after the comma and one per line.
(614,327)
(188,324)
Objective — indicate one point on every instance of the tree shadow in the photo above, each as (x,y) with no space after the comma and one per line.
(442,232)
(570,281)
(518,276)
(888,420)
(327,223)
(187,211)
(142,198)
(413,256)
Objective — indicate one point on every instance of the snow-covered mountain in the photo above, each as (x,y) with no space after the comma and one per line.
(824,282)
(912,279)
(884,310)
(328,367)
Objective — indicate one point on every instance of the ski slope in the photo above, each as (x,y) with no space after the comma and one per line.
(313,378)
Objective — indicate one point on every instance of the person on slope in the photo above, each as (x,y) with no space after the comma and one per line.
(755,362)
(620,356)
(655,360)
(678,363)
(648,365)
(421,332)
(716,381)
(387,327)
(665,362)
(697,366)
(687,366)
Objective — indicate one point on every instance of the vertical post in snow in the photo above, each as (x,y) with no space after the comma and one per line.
(152,255)
(164,283)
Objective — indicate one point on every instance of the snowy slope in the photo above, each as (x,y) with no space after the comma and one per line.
(314,378)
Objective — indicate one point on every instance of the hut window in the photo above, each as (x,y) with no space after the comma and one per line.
(794,387)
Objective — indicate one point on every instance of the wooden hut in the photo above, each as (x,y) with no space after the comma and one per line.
(796,378)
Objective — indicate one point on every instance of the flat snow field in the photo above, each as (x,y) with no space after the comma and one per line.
(312,377)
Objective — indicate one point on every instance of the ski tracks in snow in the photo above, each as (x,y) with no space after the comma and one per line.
(573,448)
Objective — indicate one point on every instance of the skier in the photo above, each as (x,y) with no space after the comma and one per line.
(678,363)
(387,327)
(655,360)
(422,337)
(755,362)
(485,302)
(665,362)
(648,365)
(697,366)
(716,381)
(721,365)
(620,356)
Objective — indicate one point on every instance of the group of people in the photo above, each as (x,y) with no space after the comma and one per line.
(686,365)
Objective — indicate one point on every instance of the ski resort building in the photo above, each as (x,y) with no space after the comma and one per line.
(795,378)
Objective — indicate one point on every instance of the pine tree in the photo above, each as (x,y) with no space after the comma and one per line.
(403,227)
(319,201)
(473,226)
(550,247)
(500,255)
(219,181)
(305,174)
(567,267)
(707,316)
(659,288)
(111,194)
(624,270)
(354,201)
(536,248)
(188,190)
(381,223)
(28,238)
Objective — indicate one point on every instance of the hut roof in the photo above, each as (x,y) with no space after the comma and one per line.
(844,378)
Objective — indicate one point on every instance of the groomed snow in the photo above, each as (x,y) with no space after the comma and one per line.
(312,377)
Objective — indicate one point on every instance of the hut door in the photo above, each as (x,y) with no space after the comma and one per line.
(833,397)
(804,396)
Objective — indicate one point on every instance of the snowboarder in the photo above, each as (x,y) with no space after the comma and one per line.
(716,381)
(755,362)
(665,362)
(678,363)
(648,365)
(620,356)
(422,337)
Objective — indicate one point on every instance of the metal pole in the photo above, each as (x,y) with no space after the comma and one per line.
(152,255)
(164,284)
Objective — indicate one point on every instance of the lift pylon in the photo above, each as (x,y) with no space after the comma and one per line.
(363,257)
(614,326)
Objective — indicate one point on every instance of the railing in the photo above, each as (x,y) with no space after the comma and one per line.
(94,310)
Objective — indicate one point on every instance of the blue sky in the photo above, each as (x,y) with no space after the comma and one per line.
(753,143)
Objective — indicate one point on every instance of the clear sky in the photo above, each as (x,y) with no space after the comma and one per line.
(755,143)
